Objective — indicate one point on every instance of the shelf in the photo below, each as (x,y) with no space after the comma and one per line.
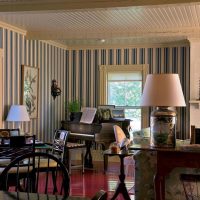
(195,102)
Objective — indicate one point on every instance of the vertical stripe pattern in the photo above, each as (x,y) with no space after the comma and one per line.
(77,74)
(51,62)
(160,60)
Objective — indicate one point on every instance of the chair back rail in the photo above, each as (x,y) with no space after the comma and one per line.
(16,146)
(26,174)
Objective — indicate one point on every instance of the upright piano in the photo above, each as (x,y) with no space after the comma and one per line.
(101,133)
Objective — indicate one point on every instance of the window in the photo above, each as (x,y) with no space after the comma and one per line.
(122,86)
(124,91)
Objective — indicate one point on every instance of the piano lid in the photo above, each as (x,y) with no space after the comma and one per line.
(77,127)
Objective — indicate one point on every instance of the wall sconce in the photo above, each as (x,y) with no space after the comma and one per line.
(55,90)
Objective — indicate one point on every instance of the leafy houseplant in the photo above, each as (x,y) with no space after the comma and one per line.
(74,110)
(74,106)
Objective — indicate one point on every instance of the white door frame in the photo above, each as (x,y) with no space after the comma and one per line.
(1,88)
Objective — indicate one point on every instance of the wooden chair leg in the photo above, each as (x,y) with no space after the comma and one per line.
(82,160)
(105,159)
(54,182)
(69,162)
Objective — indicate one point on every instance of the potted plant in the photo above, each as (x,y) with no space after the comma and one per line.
(74,110)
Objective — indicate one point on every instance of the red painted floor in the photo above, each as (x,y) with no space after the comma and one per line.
(91,181)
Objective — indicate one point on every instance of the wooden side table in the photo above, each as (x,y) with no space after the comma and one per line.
(121,187)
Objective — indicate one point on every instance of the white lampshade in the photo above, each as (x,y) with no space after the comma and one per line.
(18,113)
(163,90)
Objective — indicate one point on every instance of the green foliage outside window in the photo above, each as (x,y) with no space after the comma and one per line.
(126,93)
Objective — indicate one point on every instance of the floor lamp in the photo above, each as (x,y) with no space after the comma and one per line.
(163,91)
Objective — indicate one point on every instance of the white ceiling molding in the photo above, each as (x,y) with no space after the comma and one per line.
(12,28)
(125,46)
(194,40)
(38,5)
(56,35)
(56,44)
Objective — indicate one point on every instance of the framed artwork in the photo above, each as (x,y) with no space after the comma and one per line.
(106,106)
(30,84)
(118,113)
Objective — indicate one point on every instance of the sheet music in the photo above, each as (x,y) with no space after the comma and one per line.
(88,115)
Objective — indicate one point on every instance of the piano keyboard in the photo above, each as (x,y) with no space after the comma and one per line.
(81,136)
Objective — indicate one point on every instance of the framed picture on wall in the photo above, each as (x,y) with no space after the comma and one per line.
(30,84)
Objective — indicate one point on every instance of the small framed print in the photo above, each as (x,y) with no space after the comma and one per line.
(117,113)
(30,84)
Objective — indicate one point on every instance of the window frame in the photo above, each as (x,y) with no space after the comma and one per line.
(105,69)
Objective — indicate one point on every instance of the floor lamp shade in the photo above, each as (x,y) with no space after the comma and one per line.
(18,113)
(163,91)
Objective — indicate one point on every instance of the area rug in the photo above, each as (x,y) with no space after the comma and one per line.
(112,184)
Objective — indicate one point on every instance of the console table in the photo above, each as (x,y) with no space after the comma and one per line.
(168,159)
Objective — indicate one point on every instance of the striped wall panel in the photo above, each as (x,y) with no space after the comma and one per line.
(83,80)
(51,62)
(1,38)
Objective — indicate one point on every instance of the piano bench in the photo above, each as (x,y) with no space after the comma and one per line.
(70,149)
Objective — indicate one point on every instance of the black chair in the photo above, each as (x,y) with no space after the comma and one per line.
(14,146)
(35,179)
(191,186)
(58,150)
(100,195)
(65,149)
(59,143)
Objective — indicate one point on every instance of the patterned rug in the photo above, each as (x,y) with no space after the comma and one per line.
(113,171)
(112,184)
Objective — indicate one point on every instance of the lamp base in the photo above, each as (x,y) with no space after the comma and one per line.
(163,128)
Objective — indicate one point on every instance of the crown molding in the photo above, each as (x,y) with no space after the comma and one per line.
(53,35)
(194,39)
(126,46)
(12,28)
(37,5)
(56,44)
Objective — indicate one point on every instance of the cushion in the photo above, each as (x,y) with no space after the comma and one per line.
(141,137)
(5,161)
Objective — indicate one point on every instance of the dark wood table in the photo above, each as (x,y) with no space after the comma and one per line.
(35,196)
(167,160)
(121,187)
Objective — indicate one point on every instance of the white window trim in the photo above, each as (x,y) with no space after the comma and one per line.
(105,69)
(1,88)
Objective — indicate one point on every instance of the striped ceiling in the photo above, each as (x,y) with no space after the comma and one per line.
(117,25)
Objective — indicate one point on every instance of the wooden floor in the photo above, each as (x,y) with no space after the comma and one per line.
(91,181)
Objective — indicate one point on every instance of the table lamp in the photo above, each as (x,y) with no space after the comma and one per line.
(163,91)
(18,114)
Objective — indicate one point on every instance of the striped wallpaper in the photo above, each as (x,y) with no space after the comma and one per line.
(1,38)
(77,74)
(51,62)
(83,80)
